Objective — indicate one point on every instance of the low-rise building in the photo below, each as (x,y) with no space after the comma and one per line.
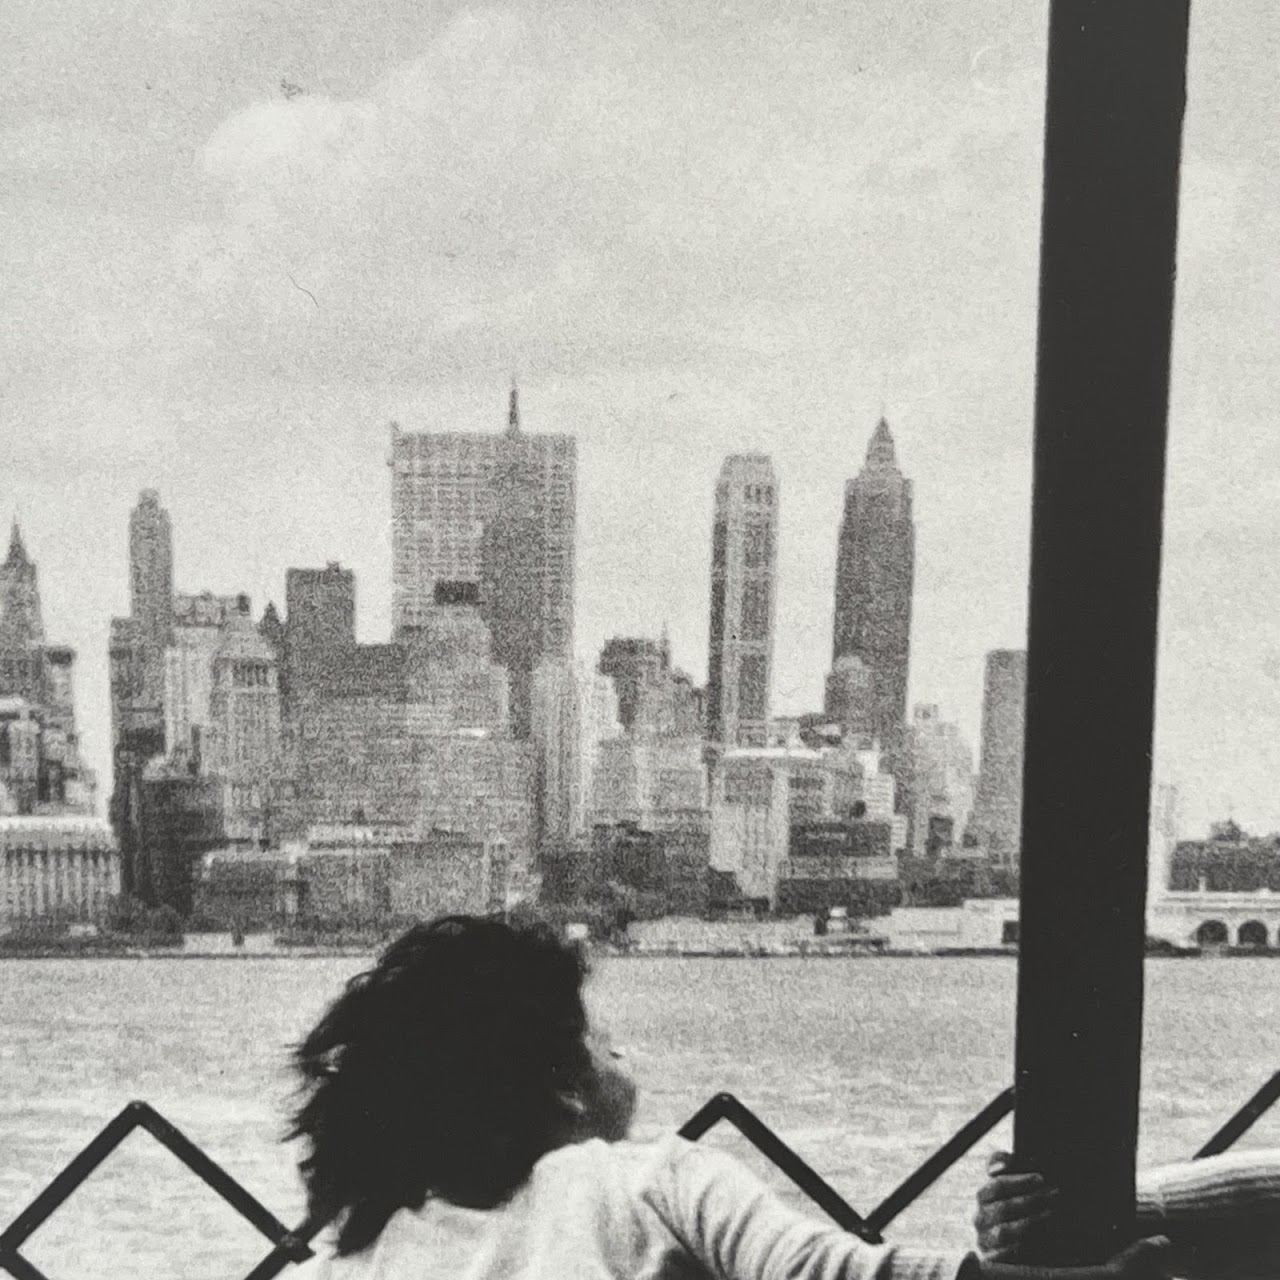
(760,796)
(975,925)
(1229,861)
(360,877)
(56,870)
(641,779)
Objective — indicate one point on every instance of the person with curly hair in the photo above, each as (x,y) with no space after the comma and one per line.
(462,1121)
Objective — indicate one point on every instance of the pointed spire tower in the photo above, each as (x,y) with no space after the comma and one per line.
(17,552)
(21,623)
(875,577)
(880,452)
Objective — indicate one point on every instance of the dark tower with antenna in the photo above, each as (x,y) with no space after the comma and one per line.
(875,576)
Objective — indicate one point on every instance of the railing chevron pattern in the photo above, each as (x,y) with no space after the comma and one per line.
(294,1245)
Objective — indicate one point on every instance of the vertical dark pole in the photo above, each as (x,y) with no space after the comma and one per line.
(1116,93)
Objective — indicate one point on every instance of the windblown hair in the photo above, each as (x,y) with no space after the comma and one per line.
(442,1071)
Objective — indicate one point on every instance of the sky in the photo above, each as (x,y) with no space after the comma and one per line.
(239,237)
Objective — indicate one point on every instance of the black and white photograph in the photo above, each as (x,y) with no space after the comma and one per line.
(639,641)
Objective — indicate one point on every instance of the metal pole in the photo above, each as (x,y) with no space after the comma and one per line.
(1116,93)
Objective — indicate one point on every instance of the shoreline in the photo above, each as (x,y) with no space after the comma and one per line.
(801,951)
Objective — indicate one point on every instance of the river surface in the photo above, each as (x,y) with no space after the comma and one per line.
(864,1066)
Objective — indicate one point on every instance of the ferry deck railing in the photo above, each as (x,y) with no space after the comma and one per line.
(288,1246)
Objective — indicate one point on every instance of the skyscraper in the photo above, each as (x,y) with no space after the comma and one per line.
(875,571)
(997,807)
(21,624)
(40,766)
(744,540)
(151,588)
(496,513)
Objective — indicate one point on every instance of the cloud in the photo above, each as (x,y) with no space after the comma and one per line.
(517,188)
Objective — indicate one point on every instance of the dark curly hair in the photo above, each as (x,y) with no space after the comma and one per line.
(448,1069)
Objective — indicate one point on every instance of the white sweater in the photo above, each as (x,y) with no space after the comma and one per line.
(668,1210)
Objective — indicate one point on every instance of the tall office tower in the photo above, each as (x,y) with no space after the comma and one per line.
(497,512)
(997,807)
(151,586)
(875,570)
(744,549)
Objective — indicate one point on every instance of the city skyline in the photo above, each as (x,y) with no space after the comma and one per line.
(691,234)
(149,507)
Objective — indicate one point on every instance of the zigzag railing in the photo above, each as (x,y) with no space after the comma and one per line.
(294,1245)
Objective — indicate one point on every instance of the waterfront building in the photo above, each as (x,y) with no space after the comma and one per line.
(940,783)
(244,746)
(670,866)
(750,820)
(495,514)
(986,924)
(200,623)
(757,793)
(56,870)
(1229,860)
(177,816)
(374,760)
(996,822)
(846,863)
(41,768)
(744,539)
(358,877)
(648,780)
(1214,919)
(765,800)
(240,889)
(875,572)
(574,710)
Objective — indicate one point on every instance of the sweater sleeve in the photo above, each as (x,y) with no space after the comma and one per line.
(1222,1213)
(739,1230)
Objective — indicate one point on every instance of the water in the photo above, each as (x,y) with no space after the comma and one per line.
(863,1066)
